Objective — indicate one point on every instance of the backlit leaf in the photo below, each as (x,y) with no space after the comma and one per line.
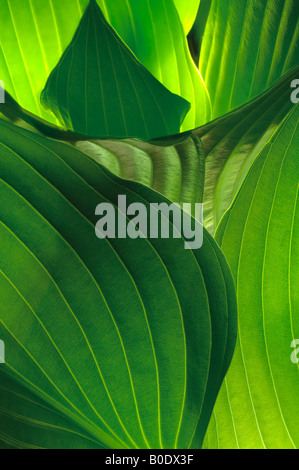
(246,47)
(99,89)
(187,11)
(112,342)
(258,403)
(34,35)
(174,166)
(232,142)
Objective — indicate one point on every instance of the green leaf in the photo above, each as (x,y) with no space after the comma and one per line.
(196,34)
(177,172)
(99,89)
(36,424)
(246,47)
(174,166)
(187,11)
(34,35)
(115,342)
(258,404)
(231,144)
(152,30)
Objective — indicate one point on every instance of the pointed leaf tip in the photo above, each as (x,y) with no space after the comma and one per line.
(100,89)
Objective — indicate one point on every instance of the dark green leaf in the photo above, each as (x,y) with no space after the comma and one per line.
(99,89)
(35,34)
(173,166)
(121,337)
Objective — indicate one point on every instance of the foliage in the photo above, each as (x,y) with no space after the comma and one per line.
(127,343)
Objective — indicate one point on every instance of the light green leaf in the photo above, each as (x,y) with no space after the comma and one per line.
(231,144)
(152,30)
(196,34)
(246,47)
(187,11)
(99,89)
(258,404)
(116,342)
(34,35)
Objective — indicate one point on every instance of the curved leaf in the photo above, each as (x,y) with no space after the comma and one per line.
(231,144)
(246,47)
(258,403)
(174,166)
(118,336)
(152,30)
(99,89)
(177,172)
(187,11)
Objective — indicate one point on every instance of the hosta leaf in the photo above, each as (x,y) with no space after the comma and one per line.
(34,35)
(187,11)
(258,404)
(152,30)
(99,89)
(246,47)
(231,144)
(174,166)
(196,34)
(122,338)
(36,424)
(176,171)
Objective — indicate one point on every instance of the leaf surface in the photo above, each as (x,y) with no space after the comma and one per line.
(121,337)
(99,89)
(174,166)
(152,30)
(259,236)
(187,11)
(246,47)
(232,142)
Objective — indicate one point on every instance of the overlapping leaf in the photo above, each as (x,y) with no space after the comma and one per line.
(174,166)
(99,89)
(232,142)
(151,29)
(258,403)
(247,45)
(187,11)
(108,342)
